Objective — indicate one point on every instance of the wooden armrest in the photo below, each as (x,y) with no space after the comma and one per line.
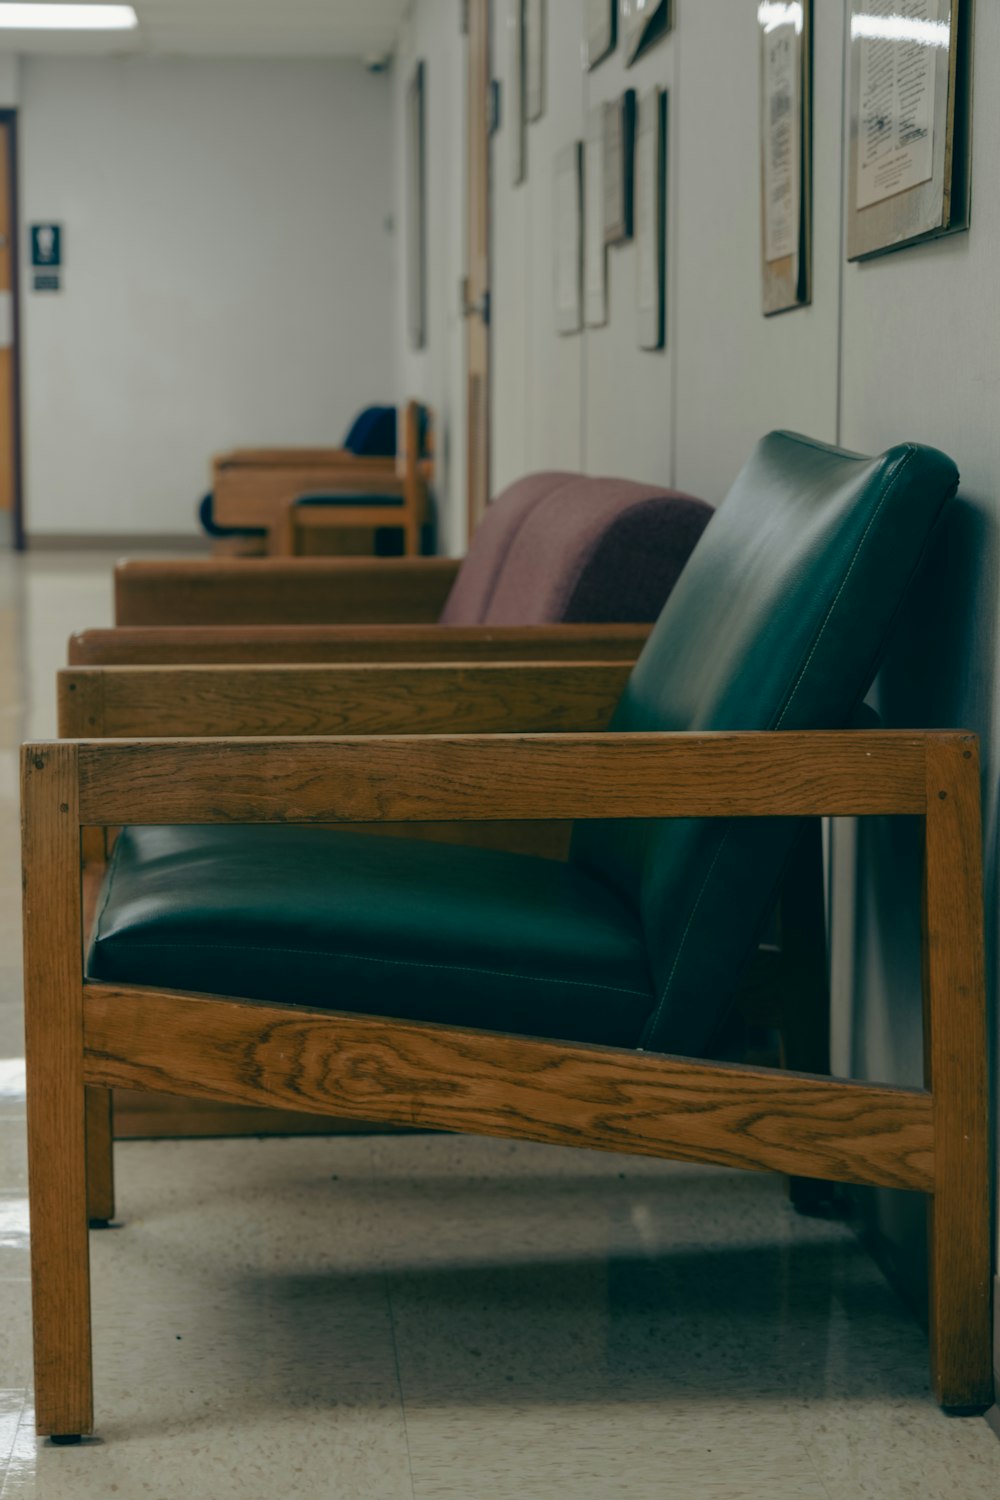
(247,494)
(164,645)
(412,778)
(268,457)
(293,591)
(376,699)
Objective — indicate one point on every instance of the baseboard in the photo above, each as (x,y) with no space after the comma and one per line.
(114,541)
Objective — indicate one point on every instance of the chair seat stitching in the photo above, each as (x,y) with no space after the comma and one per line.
(372,959)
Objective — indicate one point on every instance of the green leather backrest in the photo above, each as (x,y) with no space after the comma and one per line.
(777,622)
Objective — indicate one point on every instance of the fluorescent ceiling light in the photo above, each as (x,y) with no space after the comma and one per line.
(67,17)
(899,28)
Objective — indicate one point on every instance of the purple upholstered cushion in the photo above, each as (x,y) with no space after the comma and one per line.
(473,588)
(596,550)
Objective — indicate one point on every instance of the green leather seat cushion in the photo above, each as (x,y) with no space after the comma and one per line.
(393,927)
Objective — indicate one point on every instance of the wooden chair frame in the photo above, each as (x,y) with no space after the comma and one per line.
(249,486)
(84,1038)
(786,989)
(284,591)
(408,509)
(179,645)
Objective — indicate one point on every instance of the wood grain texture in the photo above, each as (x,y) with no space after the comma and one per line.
(431,1076)
(375,699)
(127,646)
(955,1053)
(57,1158)
(407,778)
(141,1115)
(275,591)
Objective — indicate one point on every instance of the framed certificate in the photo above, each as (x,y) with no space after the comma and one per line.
(535,28)
(911,90)
(602,18)
(595,260)
(416,210)
(651,218)
(569,239)
(786,154)
(642,22)
(619,165)
(515,39)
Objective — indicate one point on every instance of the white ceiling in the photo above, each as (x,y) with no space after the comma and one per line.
(237,28)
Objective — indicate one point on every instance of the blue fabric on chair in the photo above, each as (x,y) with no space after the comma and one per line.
(211,527)
(372,434)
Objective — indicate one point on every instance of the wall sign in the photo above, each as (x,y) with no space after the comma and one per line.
(46,257)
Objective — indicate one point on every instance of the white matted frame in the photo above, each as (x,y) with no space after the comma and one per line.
(595,260)
(515,112)
(641,23)
(416,207)
(535,48)
(619,167)
(602,30)
(910,123)
(651,218)
(569,239)
(786,154)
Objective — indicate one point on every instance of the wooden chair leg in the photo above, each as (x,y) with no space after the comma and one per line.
(281,537)
(955,1065)
(411,539)
(805,997)
(57,1146)
(100,1158)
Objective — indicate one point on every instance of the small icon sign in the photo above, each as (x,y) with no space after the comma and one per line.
(46,257)
(46,246)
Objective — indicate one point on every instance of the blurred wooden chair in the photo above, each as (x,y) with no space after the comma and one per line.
(352,500)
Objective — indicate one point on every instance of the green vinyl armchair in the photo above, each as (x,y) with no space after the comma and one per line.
(243,954)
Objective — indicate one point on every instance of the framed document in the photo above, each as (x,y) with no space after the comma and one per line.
(602,17)
(569,239)
(619,165)
(911,90)
(642,22)
(416,209)
(515,39)
(535,28)
(651,219)
(786,154)
(595,260)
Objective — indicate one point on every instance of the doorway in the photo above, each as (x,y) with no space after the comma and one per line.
(11,515)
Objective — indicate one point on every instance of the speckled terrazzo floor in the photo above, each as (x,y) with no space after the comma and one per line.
(425,1317)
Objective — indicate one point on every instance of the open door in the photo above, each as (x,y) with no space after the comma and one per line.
(477,301)
(10,466)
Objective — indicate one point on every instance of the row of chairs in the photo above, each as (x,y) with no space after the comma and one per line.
(583,822)
(289,502)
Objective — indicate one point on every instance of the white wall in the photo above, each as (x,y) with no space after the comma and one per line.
(905,346)
(435,374)
(229,274)
(9,80)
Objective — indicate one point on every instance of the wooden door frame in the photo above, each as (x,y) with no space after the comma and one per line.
(8,117)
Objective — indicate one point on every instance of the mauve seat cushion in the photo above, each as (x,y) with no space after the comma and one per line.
(596,551)
(470,595)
